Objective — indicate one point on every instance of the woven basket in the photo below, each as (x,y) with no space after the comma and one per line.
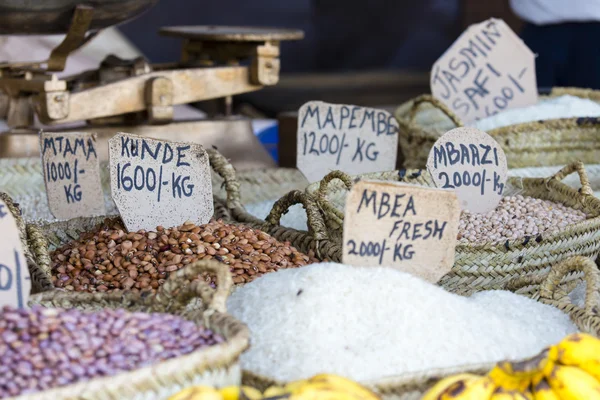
(488,266)
(593,173)
(23,180)
(551,142)
(551,291)
(214,366)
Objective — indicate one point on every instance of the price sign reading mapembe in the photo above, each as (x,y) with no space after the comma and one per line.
(352,139)
(487,70)
(15,283)
(407,227)
(471,163)
(159,183)
(72,174)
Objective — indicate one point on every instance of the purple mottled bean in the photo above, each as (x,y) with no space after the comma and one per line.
(45,348)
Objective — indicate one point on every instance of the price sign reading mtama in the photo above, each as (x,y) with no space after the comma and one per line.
(471,163)
(487,70)
(159,183)
(352,139)
(407,227)
(72,174)
(15,283)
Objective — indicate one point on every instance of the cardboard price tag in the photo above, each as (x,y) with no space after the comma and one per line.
(72,174)
(407,227)
(471,163)
(15,283)
(349,138)
(159,183)
(487,70)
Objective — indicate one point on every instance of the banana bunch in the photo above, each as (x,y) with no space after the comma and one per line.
(569,370)
(320,387)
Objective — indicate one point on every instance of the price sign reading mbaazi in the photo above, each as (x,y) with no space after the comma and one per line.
(157,182)
(471,163)
(487,70)
(15,283)
(352,139)
(407,227)
(72,174)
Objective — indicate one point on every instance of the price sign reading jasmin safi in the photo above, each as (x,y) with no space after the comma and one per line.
(15,282)
(471,163)
(72,174)
(159,183)
(407,227)
(487,70)
(349,138)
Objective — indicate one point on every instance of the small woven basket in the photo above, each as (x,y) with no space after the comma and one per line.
(23,180)
(541,143)
(550,291)
(213,366)
(488,266)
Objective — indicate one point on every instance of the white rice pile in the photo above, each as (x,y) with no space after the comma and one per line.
(369,323)
(295,217)
(558,107)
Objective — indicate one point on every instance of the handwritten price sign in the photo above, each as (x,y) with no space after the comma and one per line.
(342,137)
(402,226)
(15,283)
(471,163)
(72,174)
(487,70)
(156,182)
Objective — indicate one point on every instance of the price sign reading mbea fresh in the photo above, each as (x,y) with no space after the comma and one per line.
(407,227)
(159,183)
(471,163)
(349,138)
(487,70)
(15,282)
(72,174)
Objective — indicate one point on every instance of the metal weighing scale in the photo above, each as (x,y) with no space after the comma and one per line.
(133,95)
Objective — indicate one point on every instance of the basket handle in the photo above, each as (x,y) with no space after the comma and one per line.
(316,225)
(177,291)
(322,191)
(574,264)
(226,171)
(576,166)
(427,98)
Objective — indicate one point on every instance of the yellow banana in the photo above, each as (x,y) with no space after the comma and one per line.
(572,383)
(243,393)
(439,388)
(579,350)
(290,387)
(344,384)
(506,380)
(502,394)
(275,391)
(197,393)
(318,392)
(543,391)
(475,389)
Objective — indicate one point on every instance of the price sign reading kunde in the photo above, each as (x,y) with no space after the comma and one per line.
(471,163)
(159,183)
(349,138)
(407,227)
(72,174)
(15,283)
(487,70)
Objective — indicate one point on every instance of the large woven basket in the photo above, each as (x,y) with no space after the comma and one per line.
(488,266)
(551,291)
(214,366)
(541,143)
(23,180)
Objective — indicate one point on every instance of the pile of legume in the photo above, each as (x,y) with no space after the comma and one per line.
(43,348)
(108,258)
(517,217)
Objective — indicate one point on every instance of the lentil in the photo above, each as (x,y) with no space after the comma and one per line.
(43,348)
(109,259)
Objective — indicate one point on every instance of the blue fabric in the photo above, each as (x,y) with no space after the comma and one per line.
(270,140)
(568,54)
